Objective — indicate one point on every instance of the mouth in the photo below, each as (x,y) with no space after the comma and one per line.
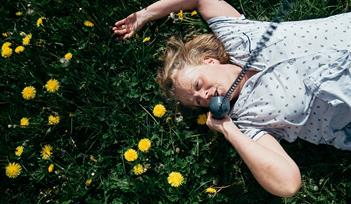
(213,94)
(217,92)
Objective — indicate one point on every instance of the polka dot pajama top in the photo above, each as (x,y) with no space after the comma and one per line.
(303,87)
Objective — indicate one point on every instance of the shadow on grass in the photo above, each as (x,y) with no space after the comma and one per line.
(325,171)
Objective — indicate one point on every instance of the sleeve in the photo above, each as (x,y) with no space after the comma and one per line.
(238,36)
(253,133)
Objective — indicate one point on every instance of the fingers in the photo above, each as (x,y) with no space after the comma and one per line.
(211,122)
(209,119)
(123,26)
(119,26)
(124,34)
(119,23)
(129,35)
(120,31)
(209,115)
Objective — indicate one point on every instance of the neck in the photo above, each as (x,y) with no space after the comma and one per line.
(247,75)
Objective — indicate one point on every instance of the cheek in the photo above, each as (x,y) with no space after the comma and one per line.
(182,96)
(207,83)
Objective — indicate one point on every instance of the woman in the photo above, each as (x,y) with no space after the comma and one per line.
(300,96)
(284,101)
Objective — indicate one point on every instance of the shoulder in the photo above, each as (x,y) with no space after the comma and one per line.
(213,8)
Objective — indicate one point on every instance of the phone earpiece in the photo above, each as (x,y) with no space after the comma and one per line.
(219,107)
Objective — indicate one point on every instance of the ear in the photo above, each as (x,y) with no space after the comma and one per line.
(210,60)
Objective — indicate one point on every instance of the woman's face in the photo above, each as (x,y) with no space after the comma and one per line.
(195,85)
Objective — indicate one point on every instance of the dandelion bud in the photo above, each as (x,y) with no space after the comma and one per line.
(177,150)
(172,15)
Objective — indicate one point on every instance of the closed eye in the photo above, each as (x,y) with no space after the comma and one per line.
(197,87)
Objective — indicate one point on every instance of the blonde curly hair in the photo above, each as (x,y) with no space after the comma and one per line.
(193,52)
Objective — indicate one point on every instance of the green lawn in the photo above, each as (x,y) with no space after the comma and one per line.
(105,100)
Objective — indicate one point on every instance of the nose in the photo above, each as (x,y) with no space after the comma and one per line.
(207,95)
(204,94)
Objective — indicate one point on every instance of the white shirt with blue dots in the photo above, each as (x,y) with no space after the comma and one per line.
(296,94)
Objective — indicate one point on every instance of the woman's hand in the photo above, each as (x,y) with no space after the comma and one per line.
(127,27)
(223,125)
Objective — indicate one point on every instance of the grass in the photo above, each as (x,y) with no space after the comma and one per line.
(105,104)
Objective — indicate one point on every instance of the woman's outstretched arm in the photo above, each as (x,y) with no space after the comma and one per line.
(269,163)
(126,27)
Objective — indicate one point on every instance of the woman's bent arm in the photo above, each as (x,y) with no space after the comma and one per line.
(126,27)
(268,162)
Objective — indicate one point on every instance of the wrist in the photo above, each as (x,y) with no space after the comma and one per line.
(229,128)
(144,16)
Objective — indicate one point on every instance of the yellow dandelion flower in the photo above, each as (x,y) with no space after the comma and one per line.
(144,145)
(88,24)
(211,190)
(175,179)
(181,15)
(159,110)
(19,151)
(13,170)
(28,92)
(24,122)
(51,168)
(146,39)
(19,13)
(19,49)
(201,119)
(40,21)
(68,56)
(131,155)
(6,52)
(46,152)
(138,169)
(193,13)
(26,39)
(52,85)
(88,182)
(53,119)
